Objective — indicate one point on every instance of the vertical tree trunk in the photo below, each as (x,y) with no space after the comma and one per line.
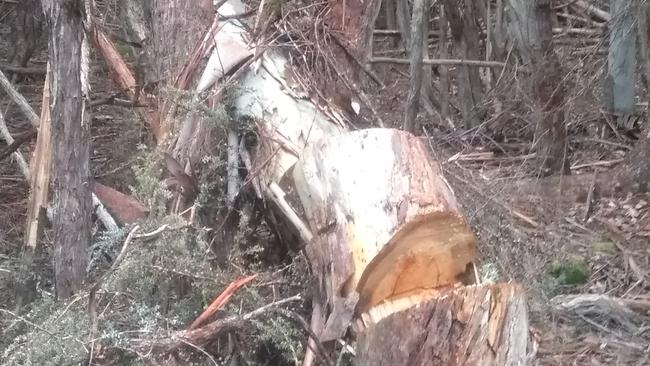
(634,174)
(462,18)
(70,139)
(621,61)
(532,30)
(416,71)
(444,70)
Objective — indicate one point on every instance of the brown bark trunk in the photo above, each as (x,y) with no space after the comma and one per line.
(548,92)
(416,70)
(70,142)
(462,17)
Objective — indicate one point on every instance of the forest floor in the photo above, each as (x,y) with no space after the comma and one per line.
(540,232)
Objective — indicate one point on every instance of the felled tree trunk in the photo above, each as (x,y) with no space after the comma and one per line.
(388,232)
(385,235)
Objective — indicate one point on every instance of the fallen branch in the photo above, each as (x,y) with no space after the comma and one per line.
(428,61)
(206,333)
(13,147)
(23,70)
(19,100)
(220,300)
(593,10)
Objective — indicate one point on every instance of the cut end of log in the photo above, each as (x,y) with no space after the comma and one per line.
(472,325)
(431,252)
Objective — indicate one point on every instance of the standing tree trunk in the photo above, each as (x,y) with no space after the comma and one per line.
(620,83)
(420,13)
(532,30)
(70,139)
(462,18)
(634,173)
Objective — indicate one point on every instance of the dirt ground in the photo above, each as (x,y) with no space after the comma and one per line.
(529,228)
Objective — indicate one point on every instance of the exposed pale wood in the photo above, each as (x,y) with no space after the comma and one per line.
(41,166)
(356,210)
(475,325)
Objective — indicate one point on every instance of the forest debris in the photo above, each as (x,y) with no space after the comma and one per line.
(126,209)
(204,334)
(220,300)
(603,306)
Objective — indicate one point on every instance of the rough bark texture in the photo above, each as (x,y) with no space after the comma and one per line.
(27,31)
(534,38)
(70,142)
(416,70)
(477,325)
(462,17)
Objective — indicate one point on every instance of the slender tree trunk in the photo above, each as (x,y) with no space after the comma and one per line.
(416,71)
(70,139)
(462,18)
(534,38)
(634,174)
(621,61)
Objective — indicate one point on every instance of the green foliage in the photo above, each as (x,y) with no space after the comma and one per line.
(280,341)
(55,335)
(572,271)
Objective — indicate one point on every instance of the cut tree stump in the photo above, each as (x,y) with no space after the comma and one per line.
(474,325)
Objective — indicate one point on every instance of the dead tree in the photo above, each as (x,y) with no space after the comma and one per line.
(70,146)
(533,33)
(463,17)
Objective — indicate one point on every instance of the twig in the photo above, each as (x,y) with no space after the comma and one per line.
(590,198)
(16,143)
(597,163)
(22,103)
(319,346)
(209,331)
(428,61)
(23,70)
(200,350)
(220,300)
(92,301)
(20,159)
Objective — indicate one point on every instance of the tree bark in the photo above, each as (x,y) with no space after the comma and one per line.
(70,140)
(634,173)
(416,70)
(462,18)
(621,61)
(534,38)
